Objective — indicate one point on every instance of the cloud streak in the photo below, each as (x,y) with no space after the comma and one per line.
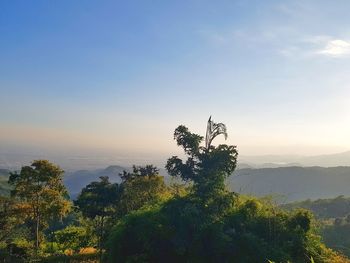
(286,41)
(312,46)
(336,48)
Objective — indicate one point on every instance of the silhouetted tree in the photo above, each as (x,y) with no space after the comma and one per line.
(140,171)
(98,201)
(206,166)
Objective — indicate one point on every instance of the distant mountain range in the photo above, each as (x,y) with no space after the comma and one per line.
(286,184)
(271,161)
(75,181)
(292,183)
(293,178)
(74,163)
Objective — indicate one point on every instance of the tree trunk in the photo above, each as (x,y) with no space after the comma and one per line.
(37,233)
(101,237)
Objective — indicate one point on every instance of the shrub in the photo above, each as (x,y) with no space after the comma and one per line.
(182,230)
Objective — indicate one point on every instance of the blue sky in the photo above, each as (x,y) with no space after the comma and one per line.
(117,77)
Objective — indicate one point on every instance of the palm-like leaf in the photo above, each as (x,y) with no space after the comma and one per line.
(213,130)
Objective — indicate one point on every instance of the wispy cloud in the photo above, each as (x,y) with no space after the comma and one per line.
(311,46)
(283,40)
(336,48)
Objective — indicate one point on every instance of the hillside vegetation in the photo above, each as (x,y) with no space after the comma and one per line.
(334,218)
(4,186)
(140,218)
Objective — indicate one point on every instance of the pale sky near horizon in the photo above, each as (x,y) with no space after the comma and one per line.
(117,77)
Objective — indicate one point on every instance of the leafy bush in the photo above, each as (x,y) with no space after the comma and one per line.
(72,237)
(19,250)
(337,236)
(77,258)
(182,230)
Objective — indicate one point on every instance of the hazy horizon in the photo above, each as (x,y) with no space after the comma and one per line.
(86,161)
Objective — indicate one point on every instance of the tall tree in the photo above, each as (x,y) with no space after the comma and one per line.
(206,166)
(142,186)
(97,201)
(40,194)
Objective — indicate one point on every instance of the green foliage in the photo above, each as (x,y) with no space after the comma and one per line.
(77,258)
(334,220)
(140,171)
(40,195)
(196,220)
(182,230)
(206,166)
(337,236)
(19,250)
(179,189)
(324,208)
(72,237)
(15,244)
(142,187)
(97,201)
(7,218)
(211,224)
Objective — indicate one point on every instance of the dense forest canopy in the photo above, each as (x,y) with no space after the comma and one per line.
(334,218)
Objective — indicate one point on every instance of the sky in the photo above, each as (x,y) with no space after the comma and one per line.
(115,78)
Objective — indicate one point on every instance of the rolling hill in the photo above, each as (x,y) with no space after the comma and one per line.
(75,181)
(273,161)
(292,183)
(287,184)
